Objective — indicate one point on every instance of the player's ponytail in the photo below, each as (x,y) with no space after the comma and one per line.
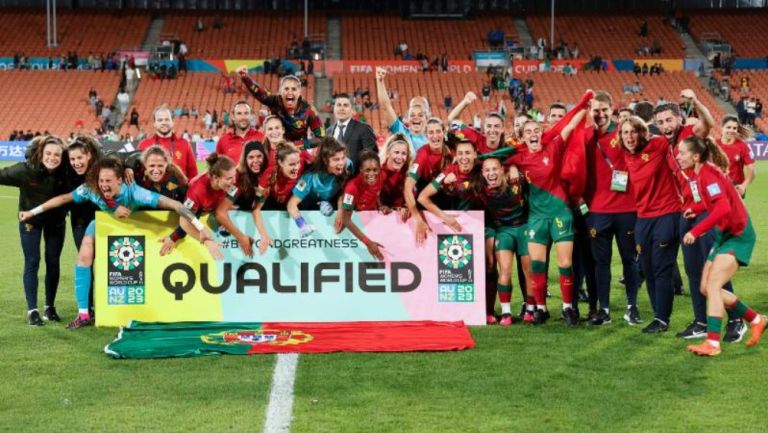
(218,164)
(708,151)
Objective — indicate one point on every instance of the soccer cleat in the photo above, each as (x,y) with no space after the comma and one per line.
(51,314)
(491,319)
(570,316)
(540,316)
(601,318)
(506,320)
(656,327)
(693,331)
(632,316)
(734,331)
(591,315)
(34,319)
(756,331)
(79,322)
(704,349)
(528,318)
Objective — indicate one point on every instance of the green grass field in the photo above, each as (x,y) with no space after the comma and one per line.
(550,378)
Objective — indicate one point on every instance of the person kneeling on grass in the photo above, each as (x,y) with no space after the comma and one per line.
(105,188)
(735,239)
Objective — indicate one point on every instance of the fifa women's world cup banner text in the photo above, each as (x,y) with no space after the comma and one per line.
(327,277)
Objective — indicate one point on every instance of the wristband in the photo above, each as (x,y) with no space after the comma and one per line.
(197,224)
(37,210)
(300,221)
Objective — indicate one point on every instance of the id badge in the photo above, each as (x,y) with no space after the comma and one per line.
(695,191)
(619,181)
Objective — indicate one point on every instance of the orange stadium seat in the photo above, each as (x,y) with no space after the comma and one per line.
(52,100)
(243,36)
(24,31)
(203,90)
(742,29)
(375,37)
(609,36)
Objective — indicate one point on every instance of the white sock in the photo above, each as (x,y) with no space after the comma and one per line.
(607,310)
(30,311)
(506,308)
(530,307)
(567,305)
(541,307)
(757,319)
(714,343)
(83,311)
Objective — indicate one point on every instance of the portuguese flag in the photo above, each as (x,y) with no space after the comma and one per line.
(165,340)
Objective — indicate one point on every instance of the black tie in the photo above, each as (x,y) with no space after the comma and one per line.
(341,131)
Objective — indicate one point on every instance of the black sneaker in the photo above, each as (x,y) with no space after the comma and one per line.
(621,280)
(51,314)
(540,316)
(632,316)
(735,331)
(34,319)
(601,318)
(570,316)
(679,290)
(693,331)
(656,327)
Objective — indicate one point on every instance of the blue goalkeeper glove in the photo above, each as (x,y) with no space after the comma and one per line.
(305,229)
(326,208)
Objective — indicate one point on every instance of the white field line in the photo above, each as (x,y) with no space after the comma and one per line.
(280,404)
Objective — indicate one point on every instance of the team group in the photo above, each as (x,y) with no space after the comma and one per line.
(650,178)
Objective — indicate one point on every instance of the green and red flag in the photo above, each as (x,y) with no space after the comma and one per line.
(165,340)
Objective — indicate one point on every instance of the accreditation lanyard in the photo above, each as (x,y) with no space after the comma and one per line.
(691,182)
(619,178)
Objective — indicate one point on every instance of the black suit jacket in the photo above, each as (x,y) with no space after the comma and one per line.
(357,137)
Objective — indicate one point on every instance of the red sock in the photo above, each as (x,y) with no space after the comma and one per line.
(539,288)
(505,296)
(566,288)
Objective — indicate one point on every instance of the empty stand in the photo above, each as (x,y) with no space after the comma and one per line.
(742,29)
(375,37)
(101,32)
(609,36)
(242,36)
(52,100)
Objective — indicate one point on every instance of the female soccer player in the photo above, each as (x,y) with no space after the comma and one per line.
(454,182)
(106,188)
(243,197)
(204,194)
(83,153)
(363,193)
(550,217)
(40,178)
(396,158)
(658,215)
(735,239)
(429,161)
(505,230)
(276,188)
(417,115)
(161,175)
(320,186)
(298,115)
(741,165)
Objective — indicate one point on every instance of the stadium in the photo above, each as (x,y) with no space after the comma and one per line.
(453,216)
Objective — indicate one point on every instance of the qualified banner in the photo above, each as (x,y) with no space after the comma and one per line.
(327,277)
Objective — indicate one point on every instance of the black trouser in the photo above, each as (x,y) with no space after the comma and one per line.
(603,227)
(53,235)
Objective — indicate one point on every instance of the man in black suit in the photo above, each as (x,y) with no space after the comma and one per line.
(356,135)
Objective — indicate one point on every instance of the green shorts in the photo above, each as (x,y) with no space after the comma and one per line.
(512,239)
(544,230)
(739,247)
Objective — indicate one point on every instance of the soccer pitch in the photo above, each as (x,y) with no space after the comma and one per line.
(549,378)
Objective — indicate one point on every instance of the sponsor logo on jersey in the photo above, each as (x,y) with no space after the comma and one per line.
(349,199)
(713,189)
(189,203)
(414,168)
(302,185)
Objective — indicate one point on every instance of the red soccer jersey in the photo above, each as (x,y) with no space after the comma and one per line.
(392,185)
(682,178)
(358,195)
(739,155)
(202,198)
(542,171)
(601,162)
(179,149)
(725,206)
(457,188)
(231,144)
(426,164)
(655,186)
